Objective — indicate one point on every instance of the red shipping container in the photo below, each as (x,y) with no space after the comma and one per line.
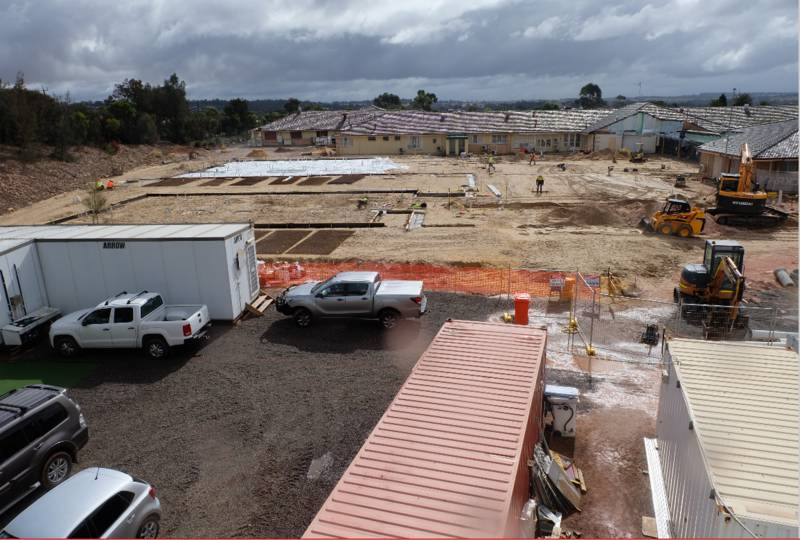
(449,456)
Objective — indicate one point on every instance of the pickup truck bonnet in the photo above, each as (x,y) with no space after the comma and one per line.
(71,318)
(302,289)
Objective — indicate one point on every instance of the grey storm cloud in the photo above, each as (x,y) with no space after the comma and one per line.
(354,49)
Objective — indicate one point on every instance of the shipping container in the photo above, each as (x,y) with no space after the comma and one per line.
(449,456)
(80,265)
(21,284)
(727,440)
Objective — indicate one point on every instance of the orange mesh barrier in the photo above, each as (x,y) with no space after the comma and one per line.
(467,279)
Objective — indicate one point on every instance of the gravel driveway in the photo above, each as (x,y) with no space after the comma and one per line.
(227,435)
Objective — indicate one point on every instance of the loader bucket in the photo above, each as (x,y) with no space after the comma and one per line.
(645,224)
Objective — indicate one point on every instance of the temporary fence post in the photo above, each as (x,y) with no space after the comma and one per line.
(772,325)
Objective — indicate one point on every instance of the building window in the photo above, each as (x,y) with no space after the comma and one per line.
(346,141)
(547,143)
(578,139)
(397,137)
(474,139)
(499,139)
(434,141)
(415,142)
(371,138)
(385,137)
(296,134)
(322,133)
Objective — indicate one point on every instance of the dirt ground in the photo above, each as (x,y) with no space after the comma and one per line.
(227,433)
(584,220)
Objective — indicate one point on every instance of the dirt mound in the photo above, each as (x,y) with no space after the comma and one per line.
(257,153)
(283,149)
(596,155)
(23,183)
(587,215)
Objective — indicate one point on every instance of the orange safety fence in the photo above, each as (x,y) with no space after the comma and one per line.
(466,279)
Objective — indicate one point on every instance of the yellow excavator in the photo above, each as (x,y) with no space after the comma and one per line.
(711,292)
(740,200)
(677,217)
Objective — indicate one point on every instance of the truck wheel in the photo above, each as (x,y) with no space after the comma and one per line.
(56,469)
(66,346)
(302,317)
(388,318)
(156,348)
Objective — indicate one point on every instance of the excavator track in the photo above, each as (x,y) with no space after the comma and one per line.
(771,217)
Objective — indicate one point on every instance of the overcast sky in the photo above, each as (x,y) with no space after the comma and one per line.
(356,49)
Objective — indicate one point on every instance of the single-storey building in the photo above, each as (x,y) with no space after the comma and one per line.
(305,128)
(451,133)
(774,148)
(724,461)
(638,126)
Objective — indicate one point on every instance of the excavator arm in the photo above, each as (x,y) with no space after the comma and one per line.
(745,170)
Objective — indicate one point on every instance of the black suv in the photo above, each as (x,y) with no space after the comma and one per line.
(41,431)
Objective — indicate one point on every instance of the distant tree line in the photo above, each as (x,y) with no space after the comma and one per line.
(135,113)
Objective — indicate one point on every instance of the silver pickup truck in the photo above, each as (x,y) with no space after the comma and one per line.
(354,294)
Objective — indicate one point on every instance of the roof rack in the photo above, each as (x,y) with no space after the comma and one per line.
(116,295)
(135,295)
(14,408)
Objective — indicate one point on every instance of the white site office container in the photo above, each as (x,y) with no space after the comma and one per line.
(728,439)
(212,264)
(21,283)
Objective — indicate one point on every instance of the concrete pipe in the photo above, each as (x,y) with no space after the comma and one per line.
(783,277)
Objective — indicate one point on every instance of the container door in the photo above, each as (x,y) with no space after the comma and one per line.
(252,267)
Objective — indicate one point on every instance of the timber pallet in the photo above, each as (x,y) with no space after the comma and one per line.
(258,306)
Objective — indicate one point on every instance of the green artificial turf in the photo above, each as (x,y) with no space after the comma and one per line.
(66,374)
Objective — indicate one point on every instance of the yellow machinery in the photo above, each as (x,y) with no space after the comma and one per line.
(711,292)
(740,201)
(677,217)
(638,156)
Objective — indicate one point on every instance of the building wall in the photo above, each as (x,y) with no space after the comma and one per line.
(694,512)
(390,144)
(548,142)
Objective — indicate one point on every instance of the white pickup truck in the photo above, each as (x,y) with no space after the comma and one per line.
(130,321)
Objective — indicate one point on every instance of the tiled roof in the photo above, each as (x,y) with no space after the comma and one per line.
(412,122)
(321,120)
(662,113)
(723,119)
(767,141)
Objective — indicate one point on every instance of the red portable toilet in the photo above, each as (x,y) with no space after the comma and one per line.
(522,302)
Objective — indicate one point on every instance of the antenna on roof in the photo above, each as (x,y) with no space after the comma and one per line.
(97,473)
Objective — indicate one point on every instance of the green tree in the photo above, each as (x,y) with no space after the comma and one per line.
(721,101)
(146,130)
(237,117)
(548,107)
(387,101)
(292,105)
(743,99)
(424,100)
(591,96)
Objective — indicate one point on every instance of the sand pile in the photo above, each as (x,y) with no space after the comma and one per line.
(257,153)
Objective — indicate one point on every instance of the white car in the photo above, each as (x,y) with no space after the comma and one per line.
(128,321)
(95,503)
